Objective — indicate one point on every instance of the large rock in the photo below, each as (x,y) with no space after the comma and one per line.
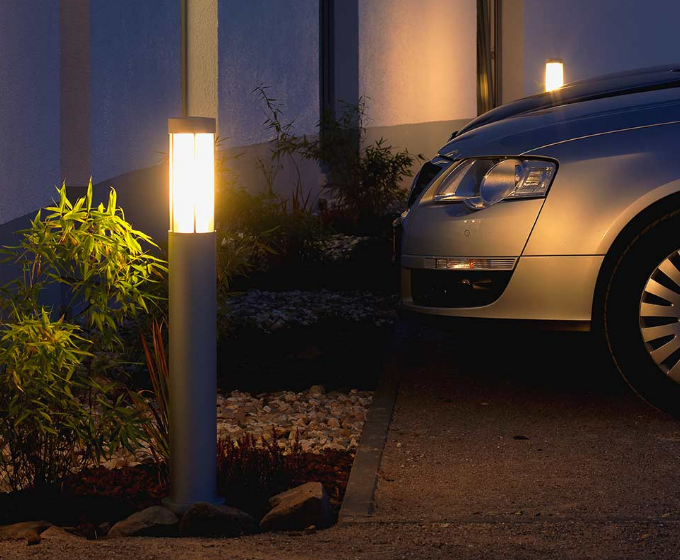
(59,534)
(209,520)
(28,530)
(155,521)
(299,508)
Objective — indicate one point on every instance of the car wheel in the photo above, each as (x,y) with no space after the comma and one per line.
(641,317)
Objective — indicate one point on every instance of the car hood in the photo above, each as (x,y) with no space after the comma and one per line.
(527,131)
(610,85)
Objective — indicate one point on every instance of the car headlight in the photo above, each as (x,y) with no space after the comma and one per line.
(483,182)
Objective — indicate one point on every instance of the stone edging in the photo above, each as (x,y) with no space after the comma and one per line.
(359,501)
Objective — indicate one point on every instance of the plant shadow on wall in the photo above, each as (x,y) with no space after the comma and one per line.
(315,276)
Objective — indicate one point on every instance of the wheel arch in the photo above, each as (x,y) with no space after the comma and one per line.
(663,208)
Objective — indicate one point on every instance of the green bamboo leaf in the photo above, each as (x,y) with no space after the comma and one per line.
(88,196)
(62,198)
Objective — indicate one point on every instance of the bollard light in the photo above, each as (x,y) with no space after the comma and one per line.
(192,305)
(554,74)
(192,175)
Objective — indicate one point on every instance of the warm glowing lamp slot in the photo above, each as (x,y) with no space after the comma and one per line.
(192,175)
(554,74)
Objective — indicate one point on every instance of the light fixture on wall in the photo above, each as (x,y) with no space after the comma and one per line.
(192,313)
(554,74)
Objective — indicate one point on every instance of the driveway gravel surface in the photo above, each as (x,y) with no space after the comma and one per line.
(377,541)
(534,431)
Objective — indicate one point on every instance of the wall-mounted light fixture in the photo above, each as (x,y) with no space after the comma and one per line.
(554,74)
(192,313)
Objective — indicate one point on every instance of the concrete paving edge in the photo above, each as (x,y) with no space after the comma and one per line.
(359,501)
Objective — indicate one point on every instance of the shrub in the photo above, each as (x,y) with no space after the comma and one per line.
(260,235)
(57,413)
(246,227)
(96,255)
(54,418)
(282,231)
(364,180)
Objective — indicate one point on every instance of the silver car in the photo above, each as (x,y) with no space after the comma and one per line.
(561,210)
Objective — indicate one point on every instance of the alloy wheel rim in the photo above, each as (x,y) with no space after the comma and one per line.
(659,316)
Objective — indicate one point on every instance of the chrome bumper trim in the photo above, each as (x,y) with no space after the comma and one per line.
(459,263)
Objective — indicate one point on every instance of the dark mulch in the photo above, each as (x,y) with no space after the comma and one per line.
(103,496)
(93,497)
(335,353)
(369,269)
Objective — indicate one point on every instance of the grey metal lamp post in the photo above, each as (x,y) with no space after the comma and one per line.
(193,307)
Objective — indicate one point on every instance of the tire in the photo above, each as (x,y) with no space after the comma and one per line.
(640,326)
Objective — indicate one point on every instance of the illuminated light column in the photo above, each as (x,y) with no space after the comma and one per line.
(193,313)
(554,74)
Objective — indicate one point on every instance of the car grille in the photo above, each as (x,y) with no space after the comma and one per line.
(426,175)
(453,288)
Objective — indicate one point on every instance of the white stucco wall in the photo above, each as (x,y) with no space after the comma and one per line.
(135,86)
(598,37)
(270,43)
(29,106)
(417,60)
(202,57)
(512,44)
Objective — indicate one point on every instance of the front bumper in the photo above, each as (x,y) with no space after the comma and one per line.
(486,325)
(543,288)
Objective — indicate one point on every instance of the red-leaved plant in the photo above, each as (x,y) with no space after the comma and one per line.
(248,474)
(156,402)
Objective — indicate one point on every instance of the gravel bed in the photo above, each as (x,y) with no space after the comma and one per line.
(339,247)
(270,311)
(318,420)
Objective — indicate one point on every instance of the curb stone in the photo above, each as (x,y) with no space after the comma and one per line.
(359,501)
